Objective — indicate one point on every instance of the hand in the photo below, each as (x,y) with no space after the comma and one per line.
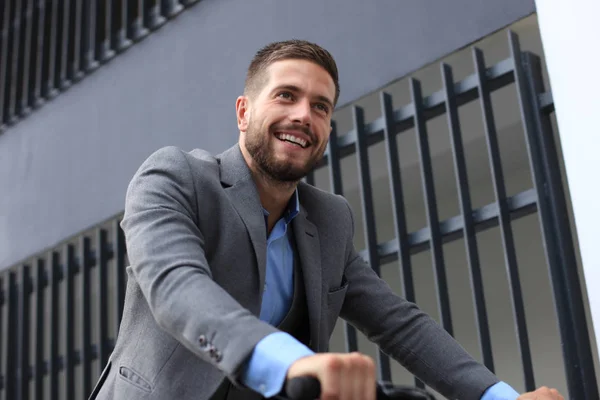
(542,393)
(343,376)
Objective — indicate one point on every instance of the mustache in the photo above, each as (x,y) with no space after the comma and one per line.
(294,127)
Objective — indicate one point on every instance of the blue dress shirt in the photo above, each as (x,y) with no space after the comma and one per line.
(279,280)
(500,391)
(267,368)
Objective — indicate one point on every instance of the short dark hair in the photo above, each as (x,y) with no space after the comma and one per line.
(286,50)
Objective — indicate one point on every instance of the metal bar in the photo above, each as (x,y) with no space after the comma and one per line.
(335,171)
(4,36)
(23,100)
(104,31)
(53,363)
(397,193)
(88,39)
(368,212)
(4,327)
(505,227)
(398,209)
(366,190)
(70,323)
(75,71)
(36,76)
(50,90)
(546,102)
(437,255)
(14,54)
(10,373)
(120,18)
(154,18)
(65,41)
(464,198)
(310,178)
(171,8)
(565,277)
(24,333)
(335,176)
(351,338)
(566,274)
(102,269)
(119,254)
(40,329)
(86,331)
(556,232)
(136,20)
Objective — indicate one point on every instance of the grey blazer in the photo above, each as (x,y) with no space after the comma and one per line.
(196,242)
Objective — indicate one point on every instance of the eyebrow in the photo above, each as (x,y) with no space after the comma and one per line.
(295,88)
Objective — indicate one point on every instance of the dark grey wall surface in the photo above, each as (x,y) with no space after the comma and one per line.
(67,167)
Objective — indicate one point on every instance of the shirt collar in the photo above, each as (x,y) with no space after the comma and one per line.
(292,209)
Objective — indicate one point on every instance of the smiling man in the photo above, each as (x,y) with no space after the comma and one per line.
(239,271)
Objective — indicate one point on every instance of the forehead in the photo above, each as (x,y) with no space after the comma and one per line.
(304,74)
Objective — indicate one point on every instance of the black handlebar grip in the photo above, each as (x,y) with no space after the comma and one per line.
(303,388)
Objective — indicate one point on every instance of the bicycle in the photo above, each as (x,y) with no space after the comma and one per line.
(309,388)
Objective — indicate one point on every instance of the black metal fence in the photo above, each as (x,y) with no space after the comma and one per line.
(53,346)
(47,45)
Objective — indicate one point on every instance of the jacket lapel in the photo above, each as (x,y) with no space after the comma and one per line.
(307,242)
(242,192)
(239,186)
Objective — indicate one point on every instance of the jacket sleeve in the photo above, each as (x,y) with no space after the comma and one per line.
(408,335)
(166,254)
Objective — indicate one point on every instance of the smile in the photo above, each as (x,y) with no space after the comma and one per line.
(285,137)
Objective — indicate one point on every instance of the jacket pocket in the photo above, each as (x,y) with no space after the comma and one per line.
(132,377)
(335,301)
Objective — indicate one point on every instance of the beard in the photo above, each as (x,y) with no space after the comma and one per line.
(259,146)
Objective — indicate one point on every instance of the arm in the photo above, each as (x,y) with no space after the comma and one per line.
(500,391)
(409,335)
(272,357)
(165,250)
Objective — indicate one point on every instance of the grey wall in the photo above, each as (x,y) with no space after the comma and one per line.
(66,167)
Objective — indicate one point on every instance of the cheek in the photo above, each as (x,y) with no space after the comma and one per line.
(258,125)
(322,132)
(274,114)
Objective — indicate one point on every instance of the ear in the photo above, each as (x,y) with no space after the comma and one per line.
(241,110)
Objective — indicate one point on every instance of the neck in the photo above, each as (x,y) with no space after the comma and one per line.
(274,195)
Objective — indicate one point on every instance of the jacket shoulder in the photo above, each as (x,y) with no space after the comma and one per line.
(324,204)
(175,158)
(319,193)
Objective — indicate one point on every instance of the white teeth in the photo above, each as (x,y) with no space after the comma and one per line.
(293,139)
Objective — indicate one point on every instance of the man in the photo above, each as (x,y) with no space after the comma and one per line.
(239,271)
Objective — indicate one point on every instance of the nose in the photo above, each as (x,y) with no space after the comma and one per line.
(301,113)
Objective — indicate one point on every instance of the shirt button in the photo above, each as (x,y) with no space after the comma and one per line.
(262,387)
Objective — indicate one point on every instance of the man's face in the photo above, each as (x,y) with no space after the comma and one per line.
(286,125)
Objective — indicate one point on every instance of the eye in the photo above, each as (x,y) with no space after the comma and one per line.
(285,95)
(322,107)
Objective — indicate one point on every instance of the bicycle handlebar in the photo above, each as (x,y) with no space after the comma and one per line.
(302,388)
(309,388)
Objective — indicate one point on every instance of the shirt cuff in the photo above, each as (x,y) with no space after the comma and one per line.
(500,391)
(271,358)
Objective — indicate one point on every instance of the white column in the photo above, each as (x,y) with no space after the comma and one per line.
(570,32)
